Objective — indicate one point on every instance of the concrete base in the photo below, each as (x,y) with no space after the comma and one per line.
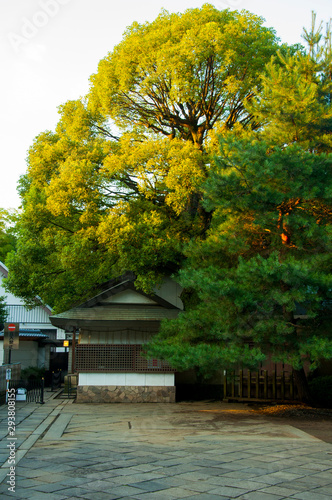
(125,394)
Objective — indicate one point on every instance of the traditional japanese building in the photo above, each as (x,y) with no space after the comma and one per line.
(109,333)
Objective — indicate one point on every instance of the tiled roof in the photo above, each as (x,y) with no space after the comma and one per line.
(26,332)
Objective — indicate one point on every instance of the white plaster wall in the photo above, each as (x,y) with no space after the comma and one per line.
(129,297)
(170,291)
(27,355)
(127,379)
(61,334)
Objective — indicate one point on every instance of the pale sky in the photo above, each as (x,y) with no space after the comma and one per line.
(49,48)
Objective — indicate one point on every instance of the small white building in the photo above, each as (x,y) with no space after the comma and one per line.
(110,330)
(38,337)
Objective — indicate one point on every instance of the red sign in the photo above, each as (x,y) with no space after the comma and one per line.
(11,336)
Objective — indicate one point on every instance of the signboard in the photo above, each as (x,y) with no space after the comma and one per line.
(65,343)
(8,374)
(11,336)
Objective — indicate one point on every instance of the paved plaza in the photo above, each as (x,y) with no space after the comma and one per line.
(201,451)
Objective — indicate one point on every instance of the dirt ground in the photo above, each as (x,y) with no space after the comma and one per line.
(315,421)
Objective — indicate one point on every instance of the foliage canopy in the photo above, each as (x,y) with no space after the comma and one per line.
(96,204)
(182,74)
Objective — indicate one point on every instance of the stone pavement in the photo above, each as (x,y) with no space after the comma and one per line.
(148,451)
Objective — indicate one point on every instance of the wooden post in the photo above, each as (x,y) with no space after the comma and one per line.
(249,384)
(291,386)
(265,384)
(241,383)
(73,349)
(282,380)
(274,384)
(225,384)
(42,385)
(233,384)
(257,384)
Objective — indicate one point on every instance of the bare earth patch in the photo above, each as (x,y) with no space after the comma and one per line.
(315,421)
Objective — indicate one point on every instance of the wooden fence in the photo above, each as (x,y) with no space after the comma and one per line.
(30,391)
(259,385)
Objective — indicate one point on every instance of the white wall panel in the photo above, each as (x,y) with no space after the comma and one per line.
(127,379)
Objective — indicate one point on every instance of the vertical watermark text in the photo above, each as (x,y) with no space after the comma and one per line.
(11,445)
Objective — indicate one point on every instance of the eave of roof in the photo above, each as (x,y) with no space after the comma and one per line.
(111,316)
(30,336)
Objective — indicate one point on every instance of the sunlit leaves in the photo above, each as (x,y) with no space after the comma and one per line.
(182,73)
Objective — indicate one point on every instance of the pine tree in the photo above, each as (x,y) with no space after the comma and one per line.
(268,252)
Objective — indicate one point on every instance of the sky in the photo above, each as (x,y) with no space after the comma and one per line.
(50,48)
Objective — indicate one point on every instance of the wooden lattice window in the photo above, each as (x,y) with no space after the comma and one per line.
(116,358)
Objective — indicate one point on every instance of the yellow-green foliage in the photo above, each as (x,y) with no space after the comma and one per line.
(182,73)
(118,185)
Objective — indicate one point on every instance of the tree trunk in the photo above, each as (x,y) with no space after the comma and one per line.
(302,386)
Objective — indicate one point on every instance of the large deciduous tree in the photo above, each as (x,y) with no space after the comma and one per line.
(260,284)
(117,186)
